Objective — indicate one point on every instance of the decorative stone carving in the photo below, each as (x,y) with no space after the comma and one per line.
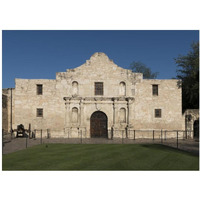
(122,89)
(139,105)
(74,88)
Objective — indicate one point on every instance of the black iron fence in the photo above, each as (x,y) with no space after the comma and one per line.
(174,138)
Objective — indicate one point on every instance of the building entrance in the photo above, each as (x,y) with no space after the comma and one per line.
(98,125)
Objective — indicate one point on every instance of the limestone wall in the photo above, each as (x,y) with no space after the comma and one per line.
(122,90)
(98,69)
(8,95)
(27,101)
(168,100)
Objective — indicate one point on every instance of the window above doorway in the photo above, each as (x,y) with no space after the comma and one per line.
(98,88)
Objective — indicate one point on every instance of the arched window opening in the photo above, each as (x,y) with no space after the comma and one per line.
(122,89)
(74,115)
(74,88)
(122,115)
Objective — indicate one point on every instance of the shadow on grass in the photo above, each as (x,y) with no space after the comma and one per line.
(169,148)
(101,157)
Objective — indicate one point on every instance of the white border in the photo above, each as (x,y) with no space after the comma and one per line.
(99,15)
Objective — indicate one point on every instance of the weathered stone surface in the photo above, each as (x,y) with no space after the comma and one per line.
(191,116)
(8,107)
(74,89)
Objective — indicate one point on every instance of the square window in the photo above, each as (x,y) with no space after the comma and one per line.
(155,90)
(39,89)
(157,113)
(39,112)
(98,88)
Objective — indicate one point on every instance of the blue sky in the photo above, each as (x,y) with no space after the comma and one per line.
(40,54)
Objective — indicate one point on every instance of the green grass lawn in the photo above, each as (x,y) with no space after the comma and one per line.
(100,157)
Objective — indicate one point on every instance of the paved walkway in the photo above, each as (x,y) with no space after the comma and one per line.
(17,144)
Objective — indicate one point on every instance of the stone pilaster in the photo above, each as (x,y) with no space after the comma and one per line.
(81,113)
(114,111)
(129,111)
(67,113)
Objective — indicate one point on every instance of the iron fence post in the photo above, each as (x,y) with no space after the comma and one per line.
(26,141)
(134,134)
(161,137)
(41,137)
(29,130)
(81,136)
(177,140)
(153,134)
(122,137)
(49,133)
(34,134)
(165,134)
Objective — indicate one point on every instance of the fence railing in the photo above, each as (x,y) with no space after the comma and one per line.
(174,138)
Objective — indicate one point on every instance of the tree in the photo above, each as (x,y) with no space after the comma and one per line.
(188,72)
(140,67)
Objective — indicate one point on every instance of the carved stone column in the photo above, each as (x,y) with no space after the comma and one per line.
(114,112)
(67,113)
(81,113)
(129,111)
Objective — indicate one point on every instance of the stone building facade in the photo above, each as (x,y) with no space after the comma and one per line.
(99,99)
(192,123)
(7,109)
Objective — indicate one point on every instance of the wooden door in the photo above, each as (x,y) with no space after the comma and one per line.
(98,125)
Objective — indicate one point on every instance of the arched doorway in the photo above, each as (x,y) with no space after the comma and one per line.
(98,125)
(196,129)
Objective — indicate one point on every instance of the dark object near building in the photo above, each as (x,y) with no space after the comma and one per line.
(20,131)
(196,129)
